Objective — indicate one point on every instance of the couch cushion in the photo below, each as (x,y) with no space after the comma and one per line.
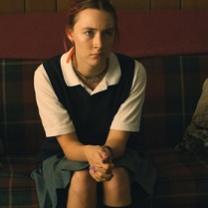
(1,146)
(20,125)
(1,116)
(16,187)
(173,87)
(182,180)
(174,84)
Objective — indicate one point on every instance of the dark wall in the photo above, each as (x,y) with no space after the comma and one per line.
(25,6)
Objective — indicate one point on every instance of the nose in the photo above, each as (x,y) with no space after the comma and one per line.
(98,41)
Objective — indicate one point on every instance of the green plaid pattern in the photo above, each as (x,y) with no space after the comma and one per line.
(20,124)
(182,180)
(174,85)
(17,189)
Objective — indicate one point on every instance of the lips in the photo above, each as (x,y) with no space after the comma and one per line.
(96,55)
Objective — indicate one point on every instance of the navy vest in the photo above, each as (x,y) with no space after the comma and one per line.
(91,114)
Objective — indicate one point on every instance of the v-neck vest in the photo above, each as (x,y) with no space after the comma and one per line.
(91,114)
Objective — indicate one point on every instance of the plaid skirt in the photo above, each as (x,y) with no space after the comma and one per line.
(55,172)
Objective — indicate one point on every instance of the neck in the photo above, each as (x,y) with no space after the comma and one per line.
(87,71)
(91,80)
(89,77)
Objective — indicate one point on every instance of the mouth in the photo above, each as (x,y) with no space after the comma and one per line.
(96,55)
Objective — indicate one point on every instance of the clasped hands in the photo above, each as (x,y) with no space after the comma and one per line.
(100,161)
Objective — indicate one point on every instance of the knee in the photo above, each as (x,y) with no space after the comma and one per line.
(117,191)
(120,181)
(82,181)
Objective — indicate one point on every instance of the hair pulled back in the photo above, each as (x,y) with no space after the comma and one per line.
(80,5)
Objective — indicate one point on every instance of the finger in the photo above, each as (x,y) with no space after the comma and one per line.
(104,168)
(97,173)
(99,158)
(102,171)
(103,153)
(94,176)
(100,174)
(106,155)
(108,177)
(103,176)
(107,166)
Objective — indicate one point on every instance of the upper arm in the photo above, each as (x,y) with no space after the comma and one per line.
(54,116)
(128,116)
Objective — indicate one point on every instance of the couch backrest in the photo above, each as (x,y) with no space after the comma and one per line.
(173,88)
(171,45)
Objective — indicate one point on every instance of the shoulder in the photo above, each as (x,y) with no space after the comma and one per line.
(52,62)
(139,69)
(41,79)
(40,73)
(140,76)
(127,61)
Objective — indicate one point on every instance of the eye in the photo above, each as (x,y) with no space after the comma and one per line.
(109,33)
(89,33)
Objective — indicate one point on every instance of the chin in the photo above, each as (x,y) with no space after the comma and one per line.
(98,61)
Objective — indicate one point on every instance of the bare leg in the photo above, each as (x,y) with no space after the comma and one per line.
(117,191)
(82,191)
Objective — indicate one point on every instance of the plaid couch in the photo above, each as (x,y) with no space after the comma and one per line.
(173,88)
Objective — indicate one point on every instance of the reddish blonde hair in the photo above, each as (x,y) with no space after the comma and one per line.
(80,5)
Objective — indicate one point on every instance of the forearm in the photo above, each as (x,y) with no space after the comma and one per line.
(72,147)
(117,151)
(117,142)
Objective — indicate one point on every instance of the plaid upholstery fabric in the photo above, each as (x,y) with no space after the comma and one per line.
(173,88)
(1,114)
(17,189)
(182,180)
(174,85)
(20,125)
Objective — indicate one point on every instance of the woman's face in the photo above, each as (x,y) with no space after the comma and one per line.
(93,36)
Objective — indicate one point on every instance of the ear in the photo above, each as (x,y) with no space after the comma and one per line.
(69,34)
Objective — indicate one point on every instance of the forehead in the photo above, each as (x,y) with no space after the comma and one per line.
(94,18)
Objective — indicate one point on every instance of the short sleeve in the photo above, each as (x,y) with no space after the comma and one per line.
(129,114)
(54,116)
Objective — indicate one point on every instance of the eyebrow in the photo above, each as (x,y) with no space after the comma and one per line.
(91,28)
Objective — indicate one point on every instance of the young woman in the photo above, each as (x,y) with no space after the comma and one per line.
(90,101)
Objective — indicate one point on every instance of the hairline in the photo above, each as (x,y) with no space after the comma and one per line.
(99,9)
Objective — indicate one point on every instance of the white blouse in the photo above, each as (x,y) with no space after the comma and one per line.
(55,118)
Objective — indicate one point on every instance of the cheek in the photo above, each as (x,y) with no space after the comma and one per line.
(110,43)
(77,40)
(81,41)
